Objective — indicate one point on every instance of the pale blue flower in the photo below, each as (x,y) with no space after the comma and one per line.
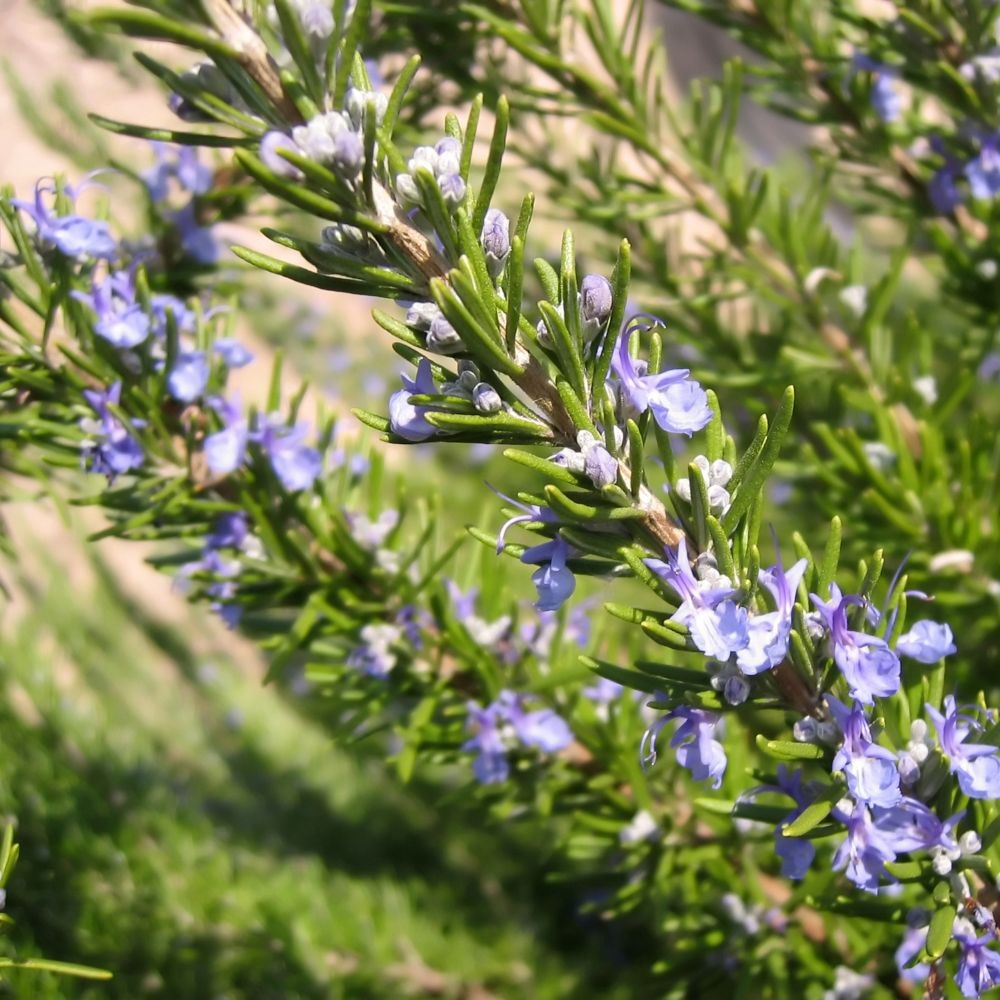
(554,581)
(226,449)
(977,765)
(115,451)
(189,376)
(678,404)
(295,463)
(718,626)
(768,633)
(872,776)
(870,668)
(71,235)
(911,947)
(406,420)
(233,353)
(978,965)
(926,642)
(120,318)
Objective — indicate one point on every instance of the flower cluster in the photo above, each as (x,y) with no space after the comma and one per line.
(220,565)
(110,448)
(333,139)
(295,463)
(72,235)
(506,724)
(440,164)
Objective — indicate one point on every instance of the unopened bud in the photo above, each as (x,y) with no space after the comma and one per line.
(495,238)
(595,304)
(486,399)
(443,338)
(970,842)
(269,154)
(348,155)
(452,189)
(406,188)
(941,864)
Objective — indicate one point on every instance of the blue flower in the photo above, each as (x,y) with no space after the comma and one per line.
(226,449)
(603,692)
(374,656)
(767,639)
(554,581)
(197,241)
(406,420)
(977,765)
(180,162)
(718,627)
(983,171)
(532,512)
(926,642)
(503,724)
(912,945)
(121,319)
(697,748)
(870,668)
(544,729)
(71,235)
(978,966)
(233,353)
(296,464)
(162,304)
(796,853)
(910,826)
(222,589)
(189,376)
(865,851)
(490,766)
(870,769)
(678,404)
(230,531)
(115,452)
(884,97)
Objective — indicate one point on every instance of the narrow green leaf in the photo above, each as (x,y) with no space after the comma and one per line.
(515,279)
(939,932)
(619,287)
(788,750)
(756,475)
(398,95)
(180,138)
(494,160)
(809,818)
(567,350)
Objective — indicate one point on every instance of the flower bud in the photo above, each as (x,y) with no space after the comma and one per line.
(406,188)
(443,338)
(595,304)
(495,238)
(272,142)
(452,189)
(421,315)
(359,103)
(737,689)
(970,842)
(600,465)
(449,157)
(348,155)
(486,399)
